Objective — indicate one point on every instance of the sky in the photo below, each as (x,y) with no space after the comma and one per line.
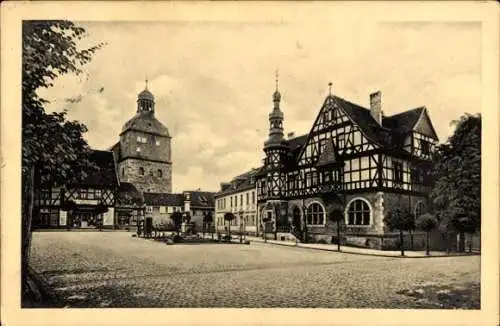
(213,82)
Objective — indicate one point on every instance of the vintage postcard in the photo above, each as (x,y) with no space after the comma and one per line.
(275,163)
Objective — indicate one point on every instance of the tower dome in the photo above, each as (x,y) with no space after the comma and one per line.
(146,95)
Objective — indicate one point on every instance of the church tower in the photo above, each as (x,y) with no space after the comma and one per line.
(145,152)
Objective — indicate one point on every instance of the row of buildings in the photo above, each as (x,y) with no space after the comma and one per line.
(134,179)
(353,158)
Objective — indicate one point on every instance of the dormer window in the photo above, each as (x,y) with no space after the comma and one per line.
(424,145)
(142,140)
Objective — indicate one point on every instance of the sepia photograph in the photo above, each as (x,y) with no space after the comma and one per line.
(286,162)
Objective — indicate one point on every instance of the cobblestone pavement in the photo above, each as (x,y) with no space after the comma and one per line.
(113,269)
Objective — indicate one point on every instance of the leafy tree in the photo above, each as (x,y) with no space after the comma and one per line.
(401,220)
(426,222)
(207,221)
(456,173)
(336,215)
(176,218)
(53,149)
(229,217)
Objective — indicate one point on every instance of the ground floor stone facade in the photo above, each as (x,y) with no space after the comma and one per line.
(371,234)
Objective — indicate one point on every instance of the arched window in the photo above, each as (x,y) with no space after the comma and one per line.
(141,170)
(358,213)
(160,173)
(315,214)
(419,209)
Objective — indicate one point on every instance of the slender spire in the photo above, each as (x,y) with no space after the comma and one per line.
(277,79)
(330,88)
(276,95)
(146,82)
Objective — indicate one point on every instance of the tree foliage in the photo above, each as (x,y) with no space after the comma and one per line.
(426,222)
(50,142)
(229,216)
(456,193)
(399,219)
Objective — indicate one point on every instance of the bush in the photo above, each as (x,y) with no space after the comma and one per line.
(226,238)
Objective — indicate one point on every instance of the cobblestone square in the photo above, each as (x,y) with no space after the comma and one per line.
(113,269)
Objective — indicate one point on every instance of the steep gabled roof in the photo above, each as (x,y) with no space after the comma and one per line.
(202,199)
(163,199)
(106,172)
(363,118)
(403,122)
(296,145)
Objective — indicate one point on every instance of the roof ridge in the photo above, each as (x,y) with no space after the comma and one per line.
(406,111)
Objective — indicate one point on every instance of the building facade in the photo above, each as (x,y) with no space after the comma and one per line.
(83,204)
(195,204)
(240,198)
(353,158)
(133,181)
(144,151)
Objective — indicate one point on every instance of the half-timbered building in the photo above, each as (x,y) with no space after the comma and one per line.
(83,204)
(353,158)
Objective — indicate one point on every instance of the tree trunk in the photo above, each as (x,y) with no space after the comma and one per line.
(461,242)
(27,215)
(338,235)
(427,243)
(401,240)
(411,240)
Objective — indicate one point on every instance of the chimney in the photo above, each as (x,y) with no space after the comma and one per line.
(290,135)
(376,106)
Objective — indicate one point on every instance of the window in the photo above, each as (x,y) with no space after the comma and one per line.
(151,173)
(141,170)
(98,193)
(142,140)
(157,143)
(160,173)
(241,200)
(253,197)
(419,209)
(322,145)
(424,146)
(340,141)
(44,194)
(398,171)
(163,210)
(138,149)
(156,209)
(315,214)
(358,213)
(248,196)
(123,172)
